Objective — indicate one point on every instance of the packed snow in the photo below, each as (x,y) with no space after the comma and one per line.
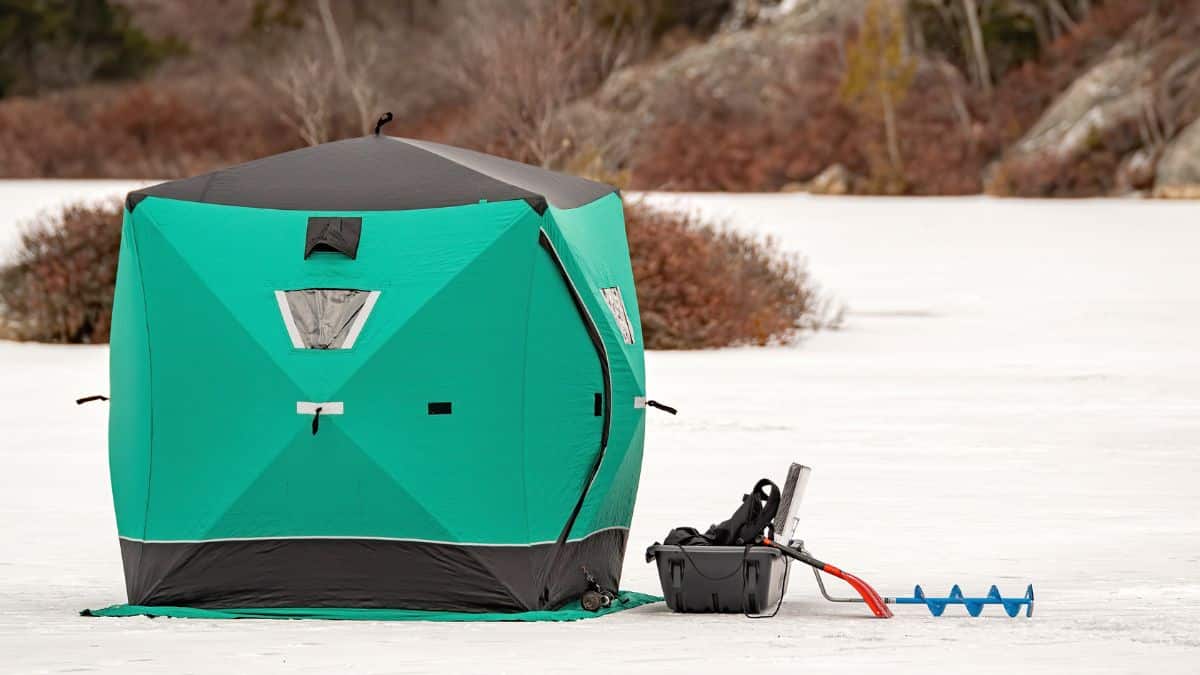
(1014,398)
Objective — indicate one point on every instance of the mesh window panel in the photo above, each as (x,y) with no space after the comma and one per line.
(616,305)
(323,318)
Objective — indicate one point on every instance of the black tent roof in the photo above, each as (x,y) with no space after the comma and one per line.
(378,173)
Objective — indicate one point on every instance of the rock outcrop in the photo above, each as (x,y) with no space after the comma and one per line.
(733,67)
(1179,169)
(1125,110)
(1113,91)
(740,69)
(835,180)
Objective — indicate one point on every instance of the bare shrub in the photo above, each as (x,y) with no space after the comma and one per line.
(702,286)
(332,83)
(275,91)
(309,87)
(518,67)
(699,285)
(60,286)
(156,129)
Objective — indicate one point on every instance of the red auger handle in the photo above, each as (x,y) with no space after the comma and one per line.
(869,595)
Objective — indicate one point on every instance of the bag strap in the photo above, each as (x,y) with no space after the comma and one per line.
(770,502)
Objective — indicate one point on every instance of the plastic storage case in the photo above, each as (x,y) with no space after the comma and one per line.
(720,578)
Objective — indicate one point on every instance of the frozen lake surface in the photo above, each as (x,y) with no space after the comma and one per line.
(1015,398)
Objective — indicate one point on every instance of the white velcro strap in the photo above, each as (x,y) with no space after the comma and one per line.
(327,407)
(639,401)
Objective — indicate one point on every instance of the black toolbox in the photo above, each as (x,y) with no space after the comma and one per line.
(720,578)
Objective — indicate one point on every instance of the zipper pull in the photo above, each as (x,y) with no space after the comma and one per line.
(316,420)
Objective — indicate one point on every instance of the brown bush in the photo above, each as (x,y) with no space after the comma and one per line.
(214,110)
(157,129)
(60,286)
(701,286)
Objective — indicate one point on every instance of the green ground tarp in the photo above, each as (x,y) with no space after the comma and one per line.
(570,612)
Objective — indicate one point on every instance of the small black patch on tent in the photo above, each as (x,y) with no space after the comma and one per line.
(132,200)
(439,407)
(598,405)
(538,204)
(340,235)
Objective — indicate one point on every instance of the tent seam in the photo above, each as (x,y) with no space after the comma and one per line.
(477,172)
(207,185)
(150,382)
(606,371)
(417,143)
(486,249)
(339,390)
(524,401)
(384,471)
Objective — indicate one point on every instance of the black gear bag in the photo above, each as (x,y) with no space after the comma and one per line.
(746,524)
(722,570)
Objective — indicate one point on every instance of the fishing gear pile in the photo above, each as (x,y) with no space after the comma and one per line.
(741,565)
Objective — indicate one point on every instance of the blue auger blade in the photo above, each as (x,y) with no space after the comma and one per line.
(1012,606)
(1028,603)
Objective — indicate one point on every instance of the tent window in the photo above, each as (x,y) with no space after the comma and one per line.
(325,318)
(616,305)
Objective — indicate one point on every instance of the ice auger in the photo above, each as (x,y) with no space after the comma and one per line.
(786,522)
(876,602)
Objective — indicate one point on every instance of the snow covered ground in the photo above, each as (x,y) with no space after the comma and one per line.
(1015,398)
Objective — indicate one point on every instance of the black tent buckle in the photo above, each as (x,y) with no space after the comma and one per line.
(316,420)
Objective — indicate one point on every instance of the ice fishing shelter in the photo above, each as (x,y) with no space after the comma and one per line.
(375,373)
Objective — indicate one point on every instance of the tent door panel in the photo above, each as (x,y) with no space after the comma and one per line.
(567,405)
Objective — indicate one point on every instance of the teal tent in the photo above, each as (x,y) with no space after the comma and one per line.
(375,373)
